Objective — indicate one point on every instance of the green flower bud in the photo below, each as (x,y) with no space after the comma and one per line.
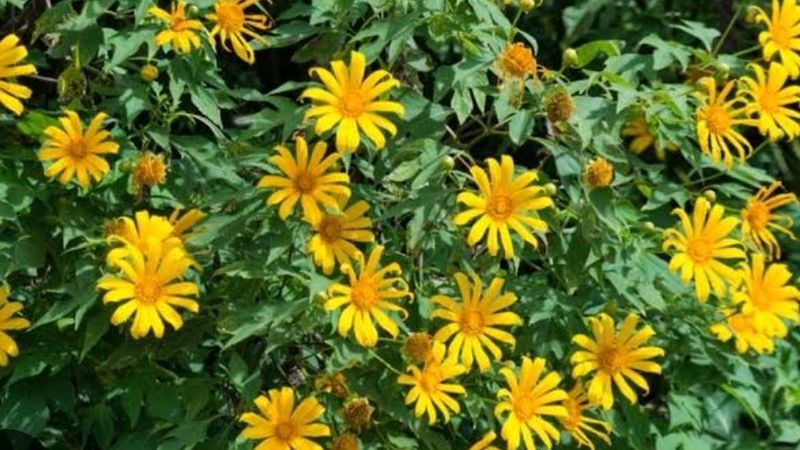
(570,57)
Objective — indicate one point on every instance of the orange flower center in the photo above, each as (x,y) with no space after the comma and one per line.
(524,407)
(230,17)
(285,431)
(574,414)
(148,289)
(740,323)
(718,119)
(77,149)
(178,22)
(352,104)
(757,215)
(782,35)
(500,205)
(364,294)
(330,228)
(304,182)
(700,249)
(429,381)
(472,321)
(769,101)
(611,361)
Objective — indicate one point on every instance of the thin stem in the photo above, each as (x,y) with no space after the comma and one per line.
(727,31)
(384,362)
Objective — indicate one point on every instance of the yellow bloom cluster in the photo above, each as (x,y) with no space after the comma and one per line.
(150,255)
(8,322)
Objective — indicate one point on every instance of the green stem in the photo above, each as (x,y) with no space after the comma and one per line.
(384,362)
(726,32)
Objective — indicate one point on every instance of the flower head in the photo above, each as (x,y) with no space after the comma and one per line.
(781,35)
(150,284)
(181,31)
(418,346)
(351,100)
(475,319)
(182,223)
(767,296)
(142,232)
(559,106)
(335,234)
(616,357)
(367,297)
(702,246)
(528,401)
(742,328)
(149,171)
(758,219)
(430,390)
(485,443)
(643,138)
(506,203)
(357,414)
(578,424)
(279,425)
(336,384)
(717,118)
(233,24)
(517,61)
(77,154)
(599,173)
(346,441)
(305,180)
(8,347)
(11,54)
(773,102)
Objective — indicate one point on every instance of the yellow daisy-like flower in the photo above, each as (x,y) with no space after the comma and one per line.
(767,296)
(486,442)
(181,32)
(616,357)
(281,426)
(430,390)
(232,24)
(517,61)
(350,100)
(150,286)
(782,35)
(474,320)
(182,223)
(772,101)
(717,118)
(758,218)
(11,54)
(643,138)
(306,180)
(335,234)
(367,298)
(506,203)
(702,246)
(579,424)
(8,347)
(149,171)
(529,400)
(77,154)
(142,232)
(741,327)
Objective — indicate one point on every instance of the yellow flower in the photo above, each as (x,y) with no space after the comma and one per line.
(772,101)
(529,400)
(350,100)
(701,247)
(305,180)
(578,424)
(10,54)
(741,327)
(281,426)
(616,357)
(368,296)
(150,286)
(232,24)
(782,34)
(148,73)
(430,389)
(716,119)
(599,173)
(643,138)
(335,234)
(505,204)
(766,296)
(758,218)
(143,232)
(182,223)
(485,442)
(150,170)
(9,348)
(474,320)
(517,61)
(77,152)
(182,32)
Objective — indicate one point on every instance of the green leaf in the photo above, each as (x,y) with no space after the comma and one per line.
(520,127)
(699,30)
(590,51)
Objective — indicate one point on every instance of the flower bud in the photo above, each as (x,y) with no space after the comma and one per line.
(570,57)
(148,73)
(710,195)
(550,189)
(448,163)
(347,441)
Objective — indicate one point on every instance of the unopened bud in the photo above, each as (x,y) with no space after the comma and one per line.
(570,57)
(148,73)
(710,195)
